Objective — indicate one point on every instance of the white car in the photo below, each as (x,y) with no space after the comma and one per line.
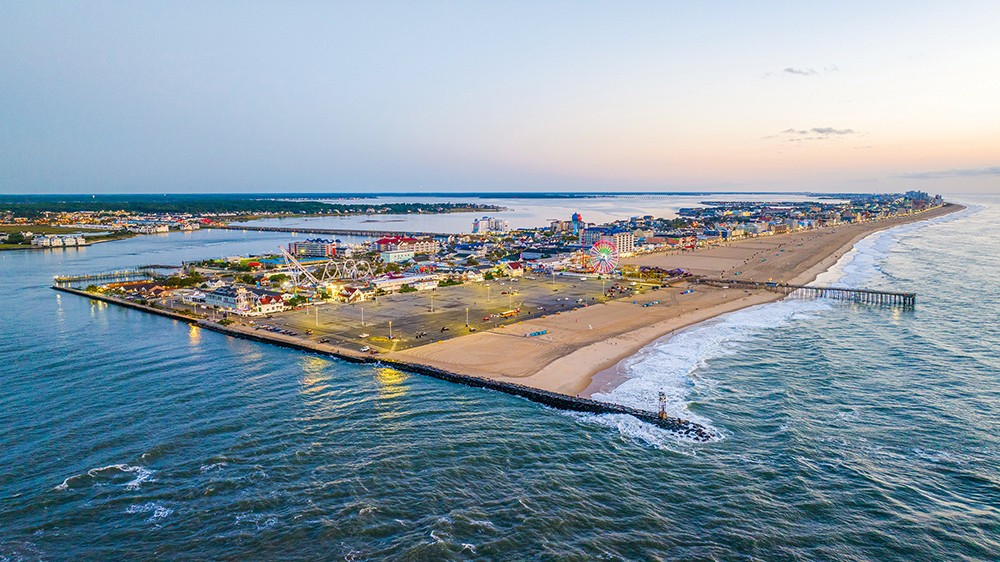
(365,349)
(363,335)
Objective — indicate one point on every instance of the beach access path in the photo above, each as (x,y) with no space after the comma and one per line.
(581,343)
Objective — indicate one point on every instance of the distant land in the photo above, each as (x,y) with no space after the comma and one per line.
(147,197)
(35,206)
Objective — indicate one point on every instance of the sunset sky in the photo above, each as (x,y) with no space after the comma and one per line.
(464,96)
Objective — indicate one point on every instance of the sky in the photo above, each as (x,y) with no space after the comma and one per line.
(159,97)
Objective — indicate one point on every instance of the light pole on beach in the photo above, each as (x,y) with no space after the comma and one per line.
(390,329)
(466,317)
(362,316)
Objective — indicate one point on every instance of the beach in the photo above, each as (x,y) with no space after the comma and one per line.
(580,348)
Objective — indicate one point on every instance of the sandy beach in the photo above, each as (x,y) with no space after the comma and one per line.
(581,343)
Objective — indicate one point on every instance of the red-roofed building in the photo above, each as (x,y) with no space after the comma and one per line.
(407,243)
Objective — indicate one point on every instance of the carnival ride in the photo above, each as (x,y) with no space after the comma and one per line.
(326,272)
(604,257)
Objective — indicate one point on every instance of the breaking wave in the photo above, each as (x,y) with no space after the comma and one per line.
(672,365)
(111,474)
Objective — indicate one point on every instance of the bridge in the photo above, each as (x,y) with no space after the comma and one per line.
(335,231)
(867,296)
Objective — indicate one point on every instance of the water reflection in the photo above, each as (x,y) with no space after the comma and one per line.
(194,335)
(314,374)
(390,383)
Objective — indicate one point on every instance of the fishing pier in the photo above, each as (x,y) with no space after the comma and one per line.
(865,296)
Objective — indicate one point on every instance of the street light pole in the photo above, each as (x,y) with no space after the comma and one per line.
(390,329)
(362,316)
(466,317)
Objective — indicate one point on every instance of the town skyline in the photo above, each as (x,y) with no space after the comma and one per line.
(451,97)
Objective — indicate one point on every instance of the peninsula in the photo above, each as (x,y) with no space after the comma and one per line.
(515,324)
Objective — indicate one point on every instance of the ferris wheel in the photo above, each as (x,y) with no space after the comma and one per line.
(604,256)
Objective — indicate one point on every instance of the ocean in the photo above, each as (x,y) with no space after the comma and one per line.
(849,432)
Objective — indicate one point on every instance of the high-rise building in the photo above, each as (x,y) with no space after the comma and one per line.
(315,248)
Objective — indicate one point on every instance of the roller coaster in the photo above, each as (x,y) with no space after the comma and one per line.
(326,272)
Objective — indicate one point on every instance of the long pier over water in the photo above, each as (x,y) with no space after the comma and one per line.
(867,296)
(334,231)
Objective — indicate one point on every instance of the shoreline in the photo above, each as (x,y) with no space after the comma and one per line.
(583,343)
(609,378)
(579,345)
(685,428)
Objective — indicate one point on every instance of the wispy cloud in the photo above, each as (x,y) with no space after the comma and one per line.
(954,173)
(805,71)
(800,71)
(816,133)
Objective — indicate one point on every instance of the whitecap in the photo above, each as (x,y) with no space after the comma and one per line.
(158,511)
(213,466)
(141,475)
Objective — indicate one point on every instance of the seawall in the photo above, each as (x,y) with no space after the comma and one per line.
(685,428)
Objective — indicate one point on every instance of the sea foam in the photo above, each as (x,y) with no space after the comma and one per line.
(673,365)
(141,475)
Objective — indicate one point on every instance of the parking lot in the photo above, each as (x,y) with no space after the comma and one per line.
(429,316)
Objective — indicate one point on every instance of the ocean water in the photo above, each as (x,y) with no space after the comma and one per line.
(849,432)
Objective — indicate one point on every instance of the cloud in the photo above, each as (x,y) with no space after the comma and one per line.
(809,71)
(800,71)
(954,173)
(816,133)
(832,131)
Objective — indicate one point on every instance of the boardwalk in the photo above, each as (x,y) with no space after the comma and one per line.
(867,296)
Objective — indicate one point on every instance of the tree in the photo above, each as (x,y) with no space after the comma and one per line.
(406,288)
(279,278)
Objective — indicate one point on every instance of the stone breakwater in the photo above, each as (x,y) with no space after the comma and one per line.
(683,428)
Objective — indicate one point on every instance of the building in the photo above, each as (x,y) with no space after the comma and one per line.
(514,269)
(393,283)
(415,245)
(58,241)
(314,248)
(588,236)
(397,256)
(489,224)
(245,302)
(624,241)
